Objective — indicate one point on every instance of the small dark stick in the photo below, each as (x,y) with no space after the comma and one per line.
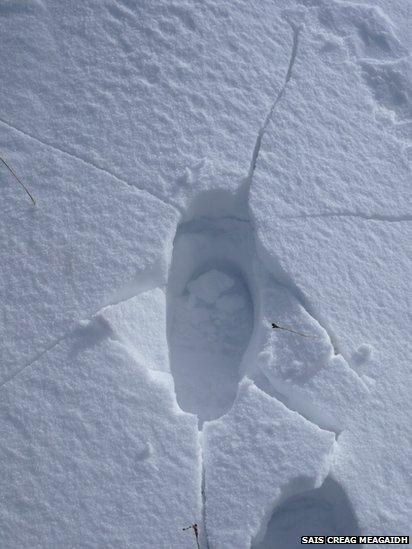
(21,183)
(276,326)
(195,529)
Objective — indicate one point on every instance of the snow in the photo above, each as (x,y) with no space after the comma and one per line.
(201,171)
(140,323)
(210,315)
(73,253)
(325,509)
(145,93)
(209,286)
(253,460)
(337,232)
(90,445)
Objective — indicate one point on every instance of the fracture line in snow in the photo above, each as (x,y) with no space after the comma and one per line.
(203,491)
(150,275)
(369,217)
(279,96)
(88,162)
(35,359)
(149,279)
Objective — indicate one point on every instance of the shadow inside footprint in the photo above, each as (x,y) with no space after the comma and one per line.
(320,512)
(210,318)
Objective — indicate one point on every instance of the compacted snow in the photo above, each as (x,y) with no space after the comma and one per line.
(206,315)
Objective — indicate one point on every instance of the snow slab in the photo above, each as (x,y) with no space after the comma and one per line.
(255,456)
(115,115)
(95,452)
(303,366)
(146,91)
(331,205)
(140,323)
(90,240)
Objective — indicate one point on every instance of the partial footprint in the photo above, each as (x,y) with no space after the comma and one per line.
(324,511)
(210,314)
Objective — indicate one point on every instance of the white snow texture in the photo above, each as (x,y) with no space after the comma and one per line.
(205,326)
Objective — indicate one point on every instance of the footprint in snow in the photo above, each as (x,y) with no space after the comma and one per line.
(323,511)
(221,303)
(210,317)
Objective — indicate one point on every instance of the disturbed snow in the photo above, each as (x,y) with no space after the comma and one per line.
(201,172)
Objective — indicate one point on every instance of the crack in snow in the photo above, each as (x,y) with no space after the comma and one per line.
(148,280)
(89,163)
(263,128)
(203,493)
(37,357)
(370,217)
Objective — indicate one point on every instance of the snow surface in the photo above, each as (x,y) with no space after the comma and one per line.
(324,509)
(202,170)
(95,452)
(259,434)
(140,322)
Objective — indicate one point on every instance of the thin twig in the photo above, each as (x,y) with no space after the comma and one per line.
(195,529)
(21,183)
(276,326)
